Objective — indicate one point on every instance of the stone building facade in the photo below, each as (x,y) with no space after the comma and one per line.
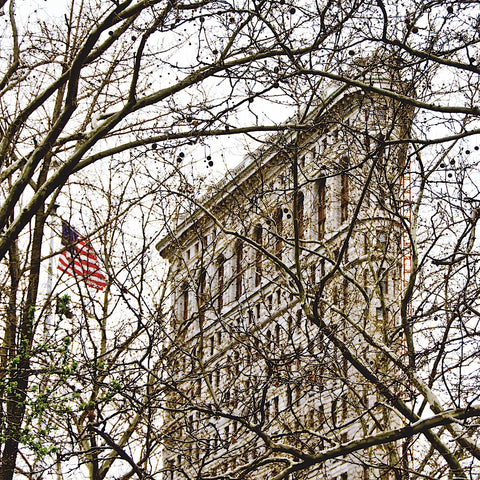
(285,280)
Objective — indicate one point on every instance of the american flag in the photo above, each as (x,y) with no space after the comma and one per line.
(79,259)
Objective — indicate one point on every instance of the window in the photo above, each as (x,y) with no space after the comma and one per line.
(365,398)
(334,412)
(344,293)
(258,237)
(383,281)
(321,208)
(381,240)
(220,280)
(270,302)
(251,317)
(299,318)
(300,214)
(190,423)
(321,309)
(279,230)
(202,286)
(320,414)
(236,364)
(365,473)
(344,191)
(184,302)
(344,407)
(169,470)
(311,418)
(289,396)
(396,280)
(335,295)
(238,269)
(201,296)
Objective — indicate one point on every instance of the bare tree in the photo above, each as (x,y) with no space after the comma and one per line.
(95,354)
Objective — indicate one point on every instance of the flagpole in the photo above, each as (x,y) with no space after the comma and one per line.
(49,287)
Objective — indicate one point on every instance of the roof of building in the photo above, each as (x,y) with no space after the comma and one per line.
(256,160)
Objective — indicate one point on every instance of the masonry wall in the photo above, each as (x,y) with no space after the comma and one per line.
(307,231)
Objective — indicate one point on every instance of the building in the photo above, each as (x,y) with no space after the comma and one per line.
(286,281)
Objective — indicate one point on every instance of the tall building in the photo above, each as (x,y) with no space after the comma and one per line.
(287,278)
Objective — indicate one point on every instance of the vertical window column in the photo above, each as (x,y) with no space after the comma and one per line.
(184,299)
(238,270)
(258,237)
(279,231)
(220,281)
(201,294)
(300,214)
(344,192)
(321,208)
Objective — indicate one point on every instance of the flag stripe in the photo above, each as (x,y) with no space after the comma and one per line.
(66,265)
(79,259)
(85,250)
(88,267)
(98,282)
(65,262)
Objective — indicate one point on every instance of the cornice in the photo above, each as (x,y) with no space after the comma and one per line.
(338,101)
